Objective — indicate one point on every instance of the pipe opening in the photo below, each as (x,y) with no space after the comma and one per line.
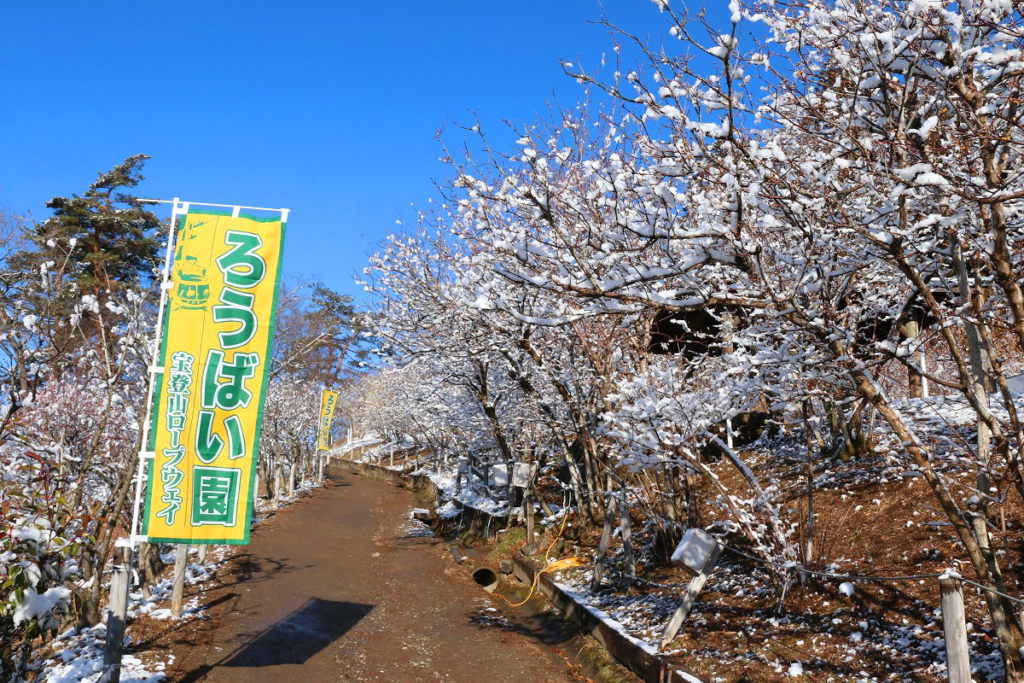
(486,579)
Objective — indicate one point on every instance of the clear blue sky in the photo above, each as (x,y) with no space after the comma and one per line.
(328,108)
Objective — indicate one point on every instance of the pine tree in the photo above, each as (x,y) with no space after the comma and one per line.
(108,233)
(320,335)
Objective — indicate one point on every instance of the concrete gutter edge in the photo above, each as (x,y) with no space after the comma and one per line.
(650,667)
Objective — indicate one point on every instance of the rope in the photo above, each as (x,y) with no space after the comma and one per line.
(844,577)
(867,577)
(992,590)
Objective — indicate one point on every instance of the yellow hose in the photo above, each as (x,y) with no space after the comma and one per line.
(549,566)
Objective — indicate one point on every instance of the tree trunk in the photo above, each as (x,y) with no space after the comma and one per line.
(278,484)
(150,566)
(1007,628)
(89,597)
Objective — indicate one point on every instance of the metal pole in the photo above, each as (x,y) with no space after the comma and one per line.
(154,369)
(284,212)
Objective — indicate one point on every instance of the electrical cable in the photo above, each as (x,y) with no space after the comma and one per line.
(549,566)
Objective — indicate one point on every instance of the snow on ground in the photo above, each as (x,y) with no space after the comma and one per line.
(413,528)
(77,656)
(835,630)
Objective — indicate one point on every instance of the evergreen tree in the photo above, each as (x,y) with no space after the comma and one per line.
(107,232)
(320,335)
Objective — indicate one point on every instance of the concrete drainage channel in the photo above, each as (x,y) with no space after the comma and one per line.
(630,653)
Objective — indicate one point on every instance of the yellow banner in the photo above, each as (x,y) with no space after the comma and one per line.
(328,404)
(208,406)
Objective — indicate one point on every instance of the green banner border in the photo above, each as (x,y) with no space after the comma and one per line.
(263,394)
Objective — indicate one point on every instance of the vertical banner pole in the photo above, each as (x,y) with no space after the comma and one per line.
(165,285)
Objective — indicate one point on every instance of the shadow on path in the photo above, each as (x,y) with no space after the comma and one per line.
(294,639)
(301,634)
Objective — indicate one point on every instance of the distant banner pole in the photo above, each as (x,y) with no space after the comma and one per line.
(328,405)
(209,388)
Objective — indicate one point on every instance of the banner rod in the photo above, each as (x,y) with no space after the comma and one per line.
(180,208)
(223,206)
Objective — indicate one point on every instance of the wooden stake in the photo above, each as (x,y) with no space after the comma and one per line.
(627,538)
(528,495)
(954,628)
(606,539)
(692,590)
(178,592)
(117,610)
(528,514)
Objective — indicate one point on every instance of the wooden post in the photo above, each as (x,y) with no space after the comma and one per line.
(954,628)
(627,538)
(117,610)
(202,553)
(510,491)
(255,493)
(692,590)
(178,591)
(606,539)
(278,474)
(531,537)
(528,494)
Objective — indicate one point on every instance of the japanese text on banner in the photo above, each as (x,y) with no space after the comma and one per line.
(209,401)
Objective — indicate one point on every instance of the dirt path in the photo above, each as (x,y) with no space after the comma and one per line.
(343,588)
